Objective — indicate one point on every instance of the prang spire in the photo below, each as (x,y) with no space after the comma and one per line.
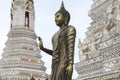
(21,58)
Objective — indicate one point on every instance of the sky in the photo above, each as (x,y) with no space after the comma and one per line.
(45,26)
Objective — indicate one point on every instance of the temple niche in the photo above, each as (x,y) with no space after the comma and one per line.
(99,52)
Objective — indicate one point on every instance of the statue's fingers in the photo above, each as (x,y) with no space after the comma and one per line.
(69,73)
(66,72)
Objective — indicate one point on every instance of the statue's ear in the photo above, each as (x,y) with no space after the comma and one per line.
(66,20)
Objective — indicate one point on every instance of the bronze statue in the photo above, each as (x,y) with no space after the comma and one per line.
(63,47)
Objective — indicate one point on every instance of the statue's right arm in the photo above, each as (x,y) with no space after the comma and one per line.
(48,51)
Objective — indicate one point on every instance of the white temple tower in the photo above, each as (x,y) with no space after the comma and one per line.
(21,57)
(100,50)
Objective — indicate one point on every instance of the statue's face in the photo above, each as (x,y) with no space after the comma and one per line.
(59,19)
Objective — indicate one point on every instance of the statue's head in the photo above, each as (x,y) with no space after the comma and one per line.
(62,17)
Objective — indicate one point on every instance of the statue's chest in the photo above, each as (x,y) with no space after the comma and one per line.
(60,35)
(55,39)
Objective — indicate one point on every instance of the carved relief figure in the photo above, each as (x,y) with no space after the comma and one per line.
(83,56)
(111,26)
(94,52)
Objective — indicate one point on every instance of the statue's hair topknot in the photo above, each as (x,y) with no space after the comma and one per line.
(64,12)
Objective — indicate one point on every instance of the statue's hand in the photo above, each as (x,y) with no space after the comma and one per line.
(69,70)
(40,43)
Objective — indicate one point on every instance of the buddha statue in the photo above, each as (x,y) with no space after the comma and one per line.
(63,43)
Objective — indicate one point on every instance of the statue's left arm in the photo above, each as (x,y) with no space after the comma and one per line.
(71,34)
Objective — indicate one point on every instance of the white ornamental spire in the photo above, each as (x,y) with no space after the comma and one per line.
(21,58)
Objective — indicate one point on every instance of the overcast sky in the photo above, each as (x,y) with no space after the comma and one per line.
(45,26)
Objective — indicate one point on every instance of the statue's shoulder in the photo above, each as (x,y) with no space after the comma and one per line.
(71,28)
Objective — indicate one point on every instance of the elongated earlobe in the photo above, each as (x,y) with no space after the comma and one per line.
(66,21)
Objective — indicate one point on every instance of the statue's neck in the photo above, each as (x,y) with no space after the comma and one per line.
(62,26)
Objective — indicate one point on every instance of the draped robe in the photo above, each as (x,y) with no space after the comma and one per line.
(63,52)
